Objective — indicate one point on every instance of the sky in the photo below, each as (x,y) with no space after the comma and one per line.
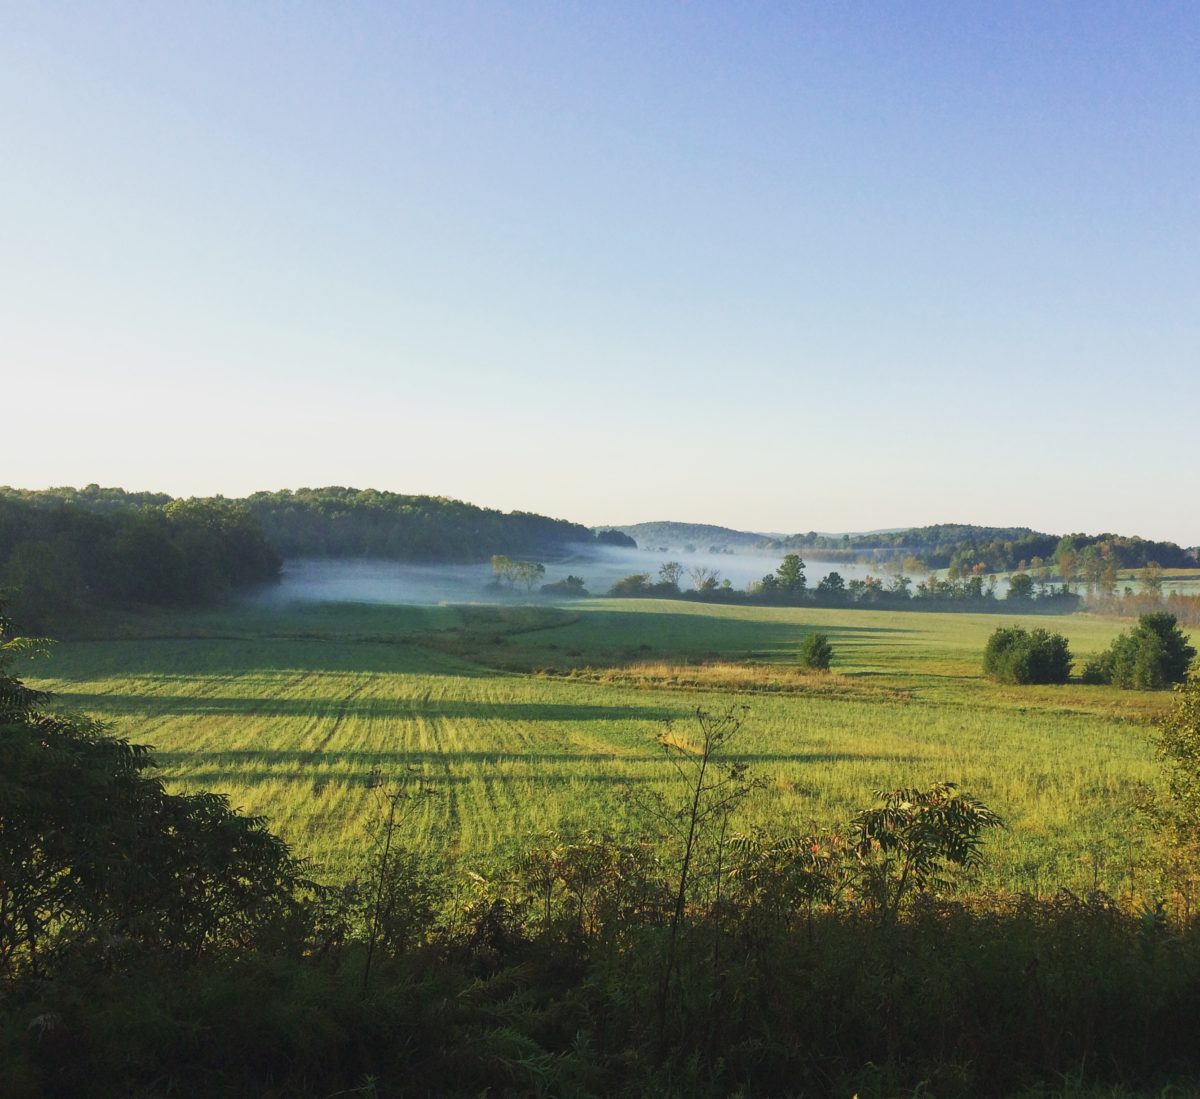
(774,266)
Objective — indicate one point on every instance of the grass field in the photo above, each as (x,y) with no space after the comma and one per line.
(517,720)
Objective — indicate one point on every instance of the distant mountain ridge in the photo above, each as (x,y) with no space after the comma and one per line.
(672,535)
(941,545)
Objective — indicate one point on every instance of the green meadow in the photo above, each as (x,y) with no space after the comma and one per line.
(511,721)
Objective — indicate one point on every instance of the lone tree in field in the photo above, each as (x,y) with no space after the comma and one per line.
(815,652)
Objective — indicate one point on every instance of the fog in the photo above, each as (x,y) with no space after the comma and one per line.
(378,581)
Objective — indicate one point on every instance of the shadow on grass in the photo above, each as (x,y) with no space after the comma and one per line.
(204,657)
(604,636)
(207,705)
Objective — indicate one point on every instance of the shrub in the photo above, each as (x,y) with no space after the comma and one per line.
(1155,653)
(1178,744)
(815,652)
(94,849)
(636,584)
(1014,655)
(571,586)
(1098,669)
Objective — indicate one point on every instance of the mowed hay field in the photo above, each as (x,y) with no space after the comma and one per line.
(518,720)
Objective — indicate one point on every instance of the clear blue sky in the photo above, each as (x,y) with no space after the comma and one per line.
(778,266)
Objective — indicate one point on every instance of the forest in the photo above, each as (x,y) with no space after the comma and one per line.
(343,522)
(57,556)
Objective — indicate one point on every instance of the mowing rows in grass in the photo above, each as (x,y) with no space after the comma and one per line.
(304,715)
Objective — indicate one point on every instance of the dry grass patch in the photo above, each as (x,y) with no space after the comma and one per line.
(730,677)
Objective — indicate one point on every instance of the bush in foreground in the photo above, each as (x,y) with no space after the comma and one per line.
(95,852)
(1177,810)
(1014,655)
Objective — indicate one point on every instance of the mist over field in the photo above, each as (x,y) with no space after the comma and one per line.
(323,580)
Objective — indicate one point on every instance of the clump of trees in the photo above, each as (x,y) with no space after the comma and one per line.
(1015,655)
(1022,588)
(615,538)
(1155,653)
(570,586)
(527,573)
(666,586)
(637,583)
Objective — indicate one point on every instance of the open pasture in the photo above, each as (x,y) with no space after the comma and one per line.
(516,720)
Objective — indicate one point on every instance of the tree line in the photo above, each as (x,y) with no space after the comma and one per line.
(962,548)
(347,522)
(788,586)
(350,522)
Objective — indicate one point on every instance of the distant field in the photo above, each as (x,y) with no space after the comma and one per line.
(1184,581)
(517,720)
